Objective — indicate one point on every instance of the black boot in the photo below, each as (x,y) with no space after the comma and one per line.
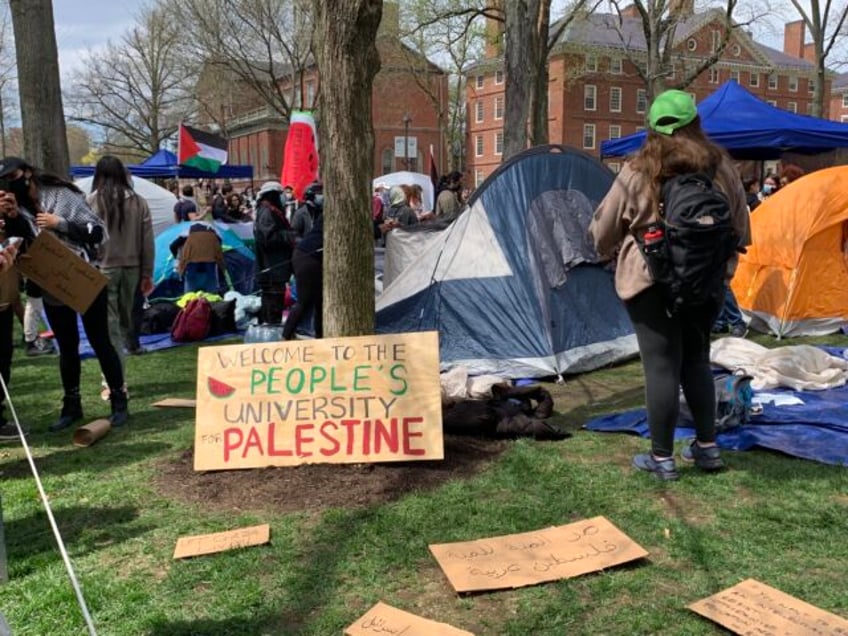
(120,408)
(71,412)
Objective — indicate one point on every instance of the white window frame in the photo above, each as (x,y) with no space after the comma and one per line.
(499,140)
(615,90)
(591,65)
(692,44)
(616,67)
(734,75)
(714,75)
(792,107)
(499,107)
(754,80)
(615,131)
(499,76)
(479,148)
(479,178)
(809,108)
(641,100)
(793,83)
(844,100)
(772,81)
(479,112)
(615,166)
(716,39)
(811,85)
(590,92)
(589,129)
(772,102)
(844,119)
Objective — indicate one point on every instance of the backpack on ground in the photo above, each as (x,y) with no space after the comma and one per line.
(734,400)
(688,248)
(193,321)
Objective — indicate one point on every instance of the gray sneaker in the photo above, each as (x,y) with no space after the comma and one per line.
(707,459)
(9,432)
(39,347)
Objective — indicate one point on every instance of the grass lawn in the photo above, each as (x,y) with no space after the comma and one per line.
(780,520)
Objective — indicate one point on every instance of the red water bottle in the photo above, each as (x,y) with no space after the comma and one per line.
(653,238)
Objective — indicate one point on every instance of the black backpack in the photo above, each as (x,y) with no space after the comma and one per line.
(688,249)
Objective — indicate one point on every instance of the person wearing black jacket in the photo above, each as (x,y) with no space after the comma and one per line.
(308,261)
(274,245)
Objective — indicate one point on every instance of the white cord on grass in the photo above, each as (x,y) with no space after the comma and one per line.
(71,574)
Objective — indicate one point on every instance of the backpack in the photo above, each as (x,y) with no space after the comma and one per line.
(734,400)
(688,249)
(193,321)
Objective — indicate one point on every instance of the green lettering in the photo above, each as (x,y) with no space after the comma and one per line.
(316,376)
(273,379)
(257,378)
(398,372)
(299,377)
(360,374)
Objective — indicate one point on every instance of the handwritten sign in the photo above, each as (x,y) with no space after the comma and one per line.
(176,403)
(61,273)
(343,400)
(221,541)
(387,620)
(752,608)
(529,558)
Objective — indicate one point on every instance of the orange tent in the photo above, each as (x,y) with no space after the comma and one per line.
(794,279)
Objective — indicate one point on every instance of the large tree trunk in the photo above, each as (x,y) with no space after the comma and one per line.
(347,57)
(539,89)
(519,19)
(45,143)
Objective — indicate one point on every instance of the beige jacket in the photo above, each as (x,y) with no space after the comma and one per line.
(627,205)
(133,246)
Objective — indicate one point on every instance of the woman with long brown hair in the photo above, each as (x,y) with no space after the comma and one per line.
(674,346)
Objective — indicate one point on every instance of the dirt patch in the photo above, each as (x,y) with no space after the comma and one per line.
(314,487)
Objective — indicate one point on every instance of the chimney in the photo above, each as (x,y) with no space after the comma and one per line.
(494,38)
(630,11)
(681,9)
(794,34)
(390,22)
(810,52)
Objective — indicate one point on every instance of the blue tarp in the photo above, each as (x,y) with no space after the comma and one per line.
(816,430)
(164,164)
(750,128)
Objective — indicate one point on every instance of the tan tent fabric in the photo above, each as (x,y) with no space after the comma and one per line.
(794,280)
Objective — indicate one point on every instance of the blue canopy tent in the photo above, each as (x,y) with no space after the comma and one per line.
(163,163)
(749,128)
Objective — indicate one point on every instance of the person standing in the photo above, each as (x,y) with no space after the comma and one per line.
(274,241)
(674,346)
(127,257)
(448,204)
(308,264)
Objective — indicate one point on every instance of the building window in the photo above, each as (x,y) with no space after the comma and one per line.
(755,79)
(615,166)
(640,128)
(809,108)
(614,131)
(615,66)
(772,102)
(590,97)
(844,119)
(812,85)
(793,84)
(772,81)
(589,136)
(478,146)
(792,107)
(694,97)
(737,50)
(478,111)
(714,76)
(845,100)
(387,159)
(479,178)
(591,63)
(641,100)
(716,40)
(499,76)
(499,142)
(499,107)
(615,99)
(691,44)
(734,75)
(479,81)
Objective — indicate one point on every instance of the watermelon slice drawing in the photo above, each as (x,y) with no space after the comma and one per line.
(219,389)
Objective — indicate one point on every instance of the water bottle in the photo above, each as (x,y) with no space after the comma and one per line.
(653,238)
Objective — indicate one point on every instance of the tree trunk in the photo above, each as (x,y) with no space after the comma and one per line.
(45,143)
(539,88)
(347,57)
(519,18)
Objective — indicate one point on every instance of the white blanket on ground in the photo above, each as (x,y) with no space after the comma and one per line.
(798,367)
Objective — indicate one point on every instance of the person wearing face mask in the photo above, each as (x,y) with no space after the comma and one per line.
(274,245)
(305,214)
(47,203)
(770,186)
(308,262)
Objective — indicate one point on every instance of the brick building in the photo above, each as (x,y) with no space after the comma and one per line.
(595,93)
(838,110)
(409,93)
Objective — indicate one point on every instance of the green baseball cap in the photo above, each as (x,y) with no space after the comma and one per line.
(671,110)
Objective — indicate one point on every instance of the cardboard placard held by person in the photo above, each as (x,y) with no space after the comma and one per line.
(61,273)
(385,619)
(529,558)
(752,607)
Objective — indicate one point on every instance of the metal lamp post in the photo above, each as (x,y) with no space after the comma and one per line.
(406,119)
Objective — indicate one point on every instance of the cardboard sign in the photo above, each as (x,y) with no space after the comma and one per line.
(221,541)
(385,619)
(176,403)
(61,273)
(344,400)
(529,558)
(754,608)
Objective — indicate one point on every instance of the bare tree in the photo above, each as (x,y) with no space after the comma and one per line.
(348,60)
(258,47)
(7,74)
(137,89)
(45,143)
(825,20)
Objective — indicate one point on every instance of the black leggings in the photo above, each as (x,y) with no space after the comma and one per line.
(309,278)
(63,322)
(675,352)
(6,327)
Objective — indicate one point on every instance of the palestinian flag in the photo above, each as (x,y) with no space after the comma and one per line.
(201,150)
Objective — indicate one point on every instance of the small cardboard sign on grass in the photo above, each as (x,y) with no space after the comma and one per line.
(335,400)
(385,619)
(529,558)
(754,608)
(200,544)
(176,403)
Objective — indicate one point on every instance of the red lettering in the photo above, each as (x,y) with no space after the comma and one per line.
(366,437)
(228,445)
(300,439)
(332,440)
(272,449)
(349,425)
(252,440)
(407,434)
(387,433)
